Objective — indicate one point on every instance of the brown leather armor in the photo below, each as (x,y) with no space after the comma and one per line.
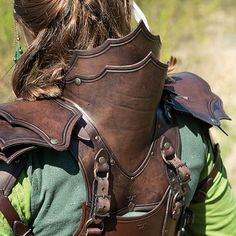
(116,117)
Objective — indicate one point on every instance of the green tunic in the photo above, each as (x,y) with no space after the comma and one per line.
(48,197)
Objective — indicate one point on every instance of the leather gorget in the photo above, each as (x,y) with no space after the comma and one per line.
(117,117)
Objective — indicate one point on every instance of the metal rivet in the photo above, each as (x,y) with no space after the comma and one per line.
(97,138)
(112,162)
(152,153)
(167,145)
(132,178)
(54,141)
(78,81)
(102,160)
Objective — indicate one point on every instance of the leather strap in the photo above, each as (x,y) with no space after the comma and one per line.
(8,177)
(101,200)
(207,183)
(8,210)
(12,217)
(9,174)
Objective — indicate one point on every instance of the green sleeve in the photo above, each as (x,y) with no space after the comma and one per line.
(216,216)
(194,147)
(20,199)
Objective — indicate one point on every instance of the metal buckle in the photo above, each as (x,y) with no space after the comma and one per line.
(96,174)
(89,223)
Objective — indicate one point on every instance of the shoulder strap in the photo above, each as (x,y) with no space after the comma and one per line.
(9,175)
(8,178)
(206,184)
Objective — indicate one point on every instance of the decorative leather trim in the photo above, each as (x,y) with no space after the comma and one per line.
(25,125)
(92,61)
(191,94)
(150,58)
(109,43)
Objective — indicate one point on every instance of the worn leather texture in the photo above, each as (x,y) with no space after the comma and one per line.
(25,125)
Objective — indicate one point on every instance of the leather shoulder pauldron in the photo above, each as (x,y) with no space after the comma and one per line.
(191,94)
(25,125)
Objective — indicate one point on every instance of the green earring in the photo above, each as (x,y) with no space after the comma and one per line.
(18,49)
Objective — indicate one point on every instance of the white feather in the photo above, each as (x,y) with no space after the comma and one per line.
(139,15)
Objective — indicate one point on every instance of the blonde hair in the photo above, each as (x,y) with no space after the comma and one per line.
(60,26)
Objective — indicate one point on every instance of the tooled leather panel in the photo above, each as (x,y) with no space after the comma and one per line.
(193,95)
(114,52)
(25,125)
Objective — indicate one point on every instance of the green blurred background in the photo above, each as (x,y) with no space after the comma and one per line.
(200,33)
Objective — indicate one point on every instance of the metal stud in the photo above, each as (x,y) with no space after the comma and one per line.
(97,138)
(78,81)
(167,145)
(113,162)
(54,141)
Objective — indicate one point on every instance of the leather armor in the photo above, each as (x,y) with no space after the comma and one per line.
(117,118)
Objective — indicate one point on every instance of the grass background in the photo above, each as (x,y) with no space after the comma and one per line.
(200,33)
